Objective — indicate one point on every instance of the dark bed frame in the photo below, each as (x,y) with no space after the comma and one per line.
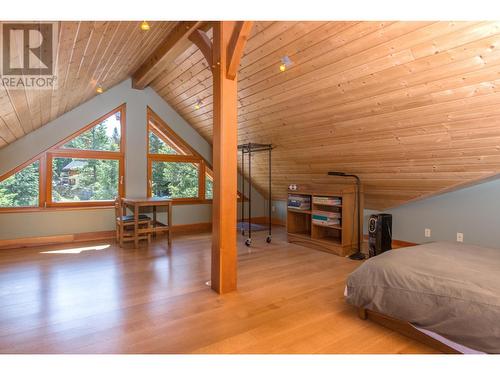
(406,329)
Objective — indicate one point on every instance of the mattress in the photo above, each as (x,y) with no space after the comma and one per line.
(450,289)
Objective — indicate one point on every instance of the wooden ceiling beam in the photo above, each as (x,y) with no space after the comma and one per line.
(200,38)
(235,49)
(174,44)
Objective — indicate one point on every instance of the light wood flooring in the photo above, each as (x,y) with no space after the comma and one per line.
(55,299)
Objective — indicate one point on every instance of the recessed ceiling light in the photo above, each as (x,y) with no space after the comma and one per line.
(99,89)
(145,26)
(198,104)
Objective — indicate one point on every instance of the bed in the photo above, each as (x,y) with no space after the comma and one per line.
(448,292)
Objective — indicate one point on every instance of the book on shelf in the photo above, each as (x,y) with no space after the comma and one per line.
(328,214)
(331,201)
(299,202)
(329,222)
(325,220)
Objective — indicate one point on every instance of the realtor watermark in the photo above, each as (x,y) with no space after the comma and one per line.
(28,55)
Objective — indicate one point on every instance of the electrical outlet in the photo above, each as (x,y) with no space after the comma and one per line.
(427,232)
(460,237)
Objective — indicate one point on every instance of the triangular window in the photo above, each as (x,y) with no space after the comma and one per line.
(163,140)
(21,189)
(158,146)
(105,135)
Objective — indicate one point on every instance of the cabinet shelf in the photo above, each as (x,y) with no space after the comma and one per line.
(333,226)
(339,239)
(307,212)
(329,205)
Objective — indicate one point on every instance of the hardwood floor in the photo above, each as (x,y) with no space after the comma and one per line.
(104,299)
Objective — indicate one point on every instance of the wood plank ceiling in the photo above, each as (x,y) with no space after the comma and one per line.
(89,54)
(412,107)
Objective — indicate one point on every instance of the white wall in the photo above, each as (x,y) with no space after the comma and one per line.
(50,222)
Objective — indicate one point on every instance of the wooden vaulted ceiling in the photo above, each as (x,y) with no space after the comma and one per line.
(411,107)
(88,54)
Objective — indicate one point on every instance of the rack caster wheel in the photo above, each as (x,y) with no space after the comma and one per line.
(268,239)
(248,242)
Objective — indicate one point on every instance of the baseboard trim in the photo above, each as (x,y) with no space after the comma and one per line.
(263,220)
(54,240)
(192,228)
(397,243)
(106,235)
(90,236)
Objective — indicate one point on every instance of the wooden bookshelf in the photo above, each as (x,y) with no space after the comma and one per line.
(340,239)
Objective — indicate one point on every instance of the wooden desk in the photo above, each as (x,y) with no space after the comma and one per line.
(136,203)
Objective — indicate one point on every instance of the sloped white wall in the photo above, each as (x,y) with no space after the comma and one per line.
(50,222)
(473,211)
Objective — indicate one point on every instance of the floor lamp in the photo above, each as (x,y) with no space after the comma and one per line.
(358,255)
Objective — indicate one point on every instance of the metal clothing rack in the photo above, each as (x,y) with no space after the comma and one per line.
(249,148)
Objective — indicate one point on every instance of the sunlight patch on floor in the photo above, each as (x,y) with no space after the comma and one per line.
(77,250)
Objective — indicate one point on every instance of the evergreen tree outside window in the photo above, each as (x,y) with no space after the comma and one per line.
(22,188)
(158,146)
(105,136)
(209,185)
(175,180)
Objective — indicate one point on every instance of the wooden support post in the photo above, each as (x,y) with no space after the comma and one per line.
(223,56)
(225,156)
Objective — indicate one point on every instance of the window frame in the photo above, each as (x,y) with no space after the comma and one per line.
(186,155)
(209,176)
(98,156)
(192,161)
(45,167)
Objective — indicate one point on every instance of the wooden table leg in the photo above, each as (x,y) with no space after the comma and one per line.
(136,226)
(154,221)
(170,224)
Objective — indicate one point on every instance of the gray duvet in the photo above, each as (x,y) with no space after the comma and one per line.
(451,289)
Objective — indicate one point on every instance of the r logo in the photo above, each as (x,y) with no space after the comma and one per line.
(27,49)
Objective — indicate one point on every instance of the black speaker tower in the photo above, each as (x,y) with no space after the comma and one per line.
(379,234)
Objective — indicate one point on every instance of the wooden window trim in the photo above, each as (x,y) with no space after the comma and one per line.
(122,108)
(165,132)
(84,155)
(57,150)
(160,128)
(201,169)
(186,155)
